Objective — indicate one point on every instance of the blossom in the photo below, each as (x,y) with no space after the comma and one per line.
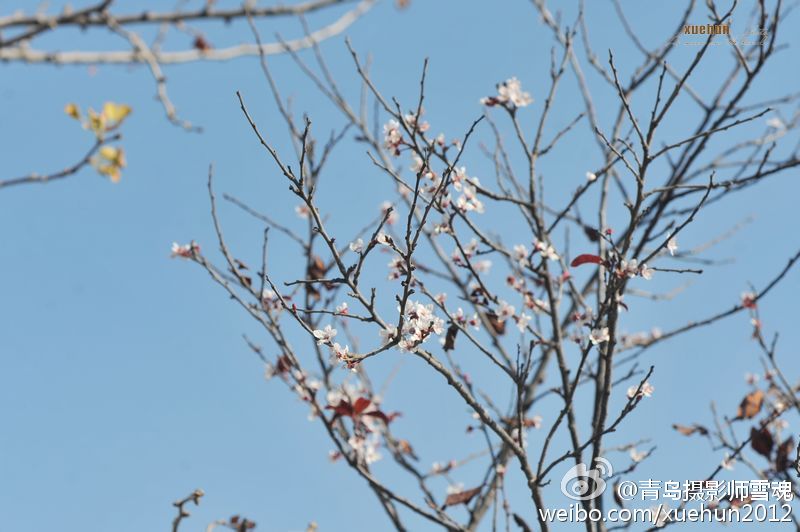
(397,268)
(672,245)
(636,455)
(419,324)
(509,94)
(301,211)
(392,138)
(460,318)
(340,352)
(186,251)
(521,255)
(389,334)
(392,218)
(411,120)
(458,487)
(727,462)
(545,250)
(776,123)
(522,322)
(646,390)
(482,266)
(357,246)
(342,309)
(458,177)
(583,319)
(383,238)
(504,310)
(629,269)
(468,200)
(591,176)
(598,336)
(749,300)
(366,449)
(646,272)
(324,336)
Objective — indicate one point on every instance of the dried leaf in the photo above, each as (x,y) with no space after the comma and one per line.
(462,497)
(782,456)
(617,497)
(520,522)
(750,405)
(689,430)
(200,43)
(499,326)
(761,441)
(450,338)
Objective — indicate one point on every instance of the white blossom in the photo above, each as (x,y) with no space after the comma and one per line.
(646,390)
(672,245)
(392,138)
(302,211)
(357,246)
(545,250)
(598,336)
(509,93)
(324,336)
(646,272)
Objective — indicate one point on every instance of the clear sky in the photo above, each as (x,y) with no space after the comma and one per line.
(124,380)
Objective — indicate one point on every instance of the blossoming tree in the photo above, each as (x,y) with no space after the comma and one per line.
(545,313)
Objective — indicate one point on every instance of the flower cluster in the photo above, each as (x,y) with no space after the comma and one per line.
(392,137)
(419,324)
(545,250)
(468,200)
(461,318)
(632,268)
(509,94)
(185,251)
(638,393)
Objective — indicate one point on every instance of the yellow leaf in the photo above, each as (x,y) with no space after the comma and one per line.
(115,113)
(72,110)
(110,162)
(113,155)
(97,122)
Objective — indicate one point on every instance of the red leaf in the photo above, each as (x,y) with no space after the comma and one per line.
(361,404)
(586,258)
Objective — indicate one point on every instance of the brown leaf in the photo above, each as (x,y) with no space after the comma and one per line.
(200,43)
(450,338)
(782,460)
(498,325)
(688,431)
(462,497)
(316,268)
(591,233)
(617,496)
(405,448)
(750,405)
(520,522)
(761,441)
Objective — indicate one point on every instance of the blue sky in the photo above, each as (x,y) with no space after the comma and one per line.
(124,381)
